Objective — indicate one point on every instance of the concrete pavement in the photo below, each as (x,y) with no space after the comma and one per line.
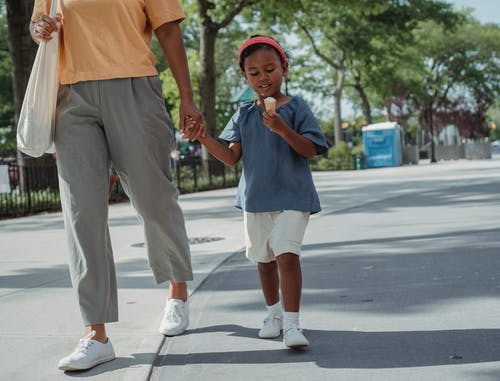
(401,282)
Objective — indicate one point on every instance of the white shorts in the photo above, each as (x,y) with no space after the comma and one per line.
(270,234)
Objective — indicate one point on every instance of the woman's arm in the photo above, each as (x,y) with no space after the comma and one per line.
(170,38)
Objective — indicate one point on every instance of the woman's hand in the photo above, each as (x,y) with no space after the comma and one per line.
(192,123)
(42,29)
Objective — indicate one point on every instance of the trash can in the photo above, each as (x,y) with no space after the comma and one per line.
(359,161)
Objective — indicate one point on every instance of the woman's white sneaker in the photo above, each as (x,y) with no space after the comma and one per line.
(87,354)
(175,318)
(293,337)
(271,326)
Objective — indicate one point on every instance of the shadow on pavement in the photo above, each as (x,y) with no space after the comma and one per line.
(362,350)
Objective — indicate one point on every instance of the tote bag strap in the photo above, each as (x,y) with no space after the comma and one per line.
(53,8)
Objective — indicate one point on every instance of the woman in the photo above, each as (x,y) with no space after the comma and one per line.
(111,111)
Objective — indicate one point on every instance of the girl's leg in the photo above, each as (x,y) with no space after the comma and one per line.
(291,289)
(269,281)
(290,275)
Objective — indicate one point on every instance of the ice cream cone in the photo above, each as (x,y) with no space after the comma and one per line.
(270,104)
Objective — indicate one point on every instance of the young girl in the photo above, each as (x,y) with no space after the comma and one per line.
(276,190)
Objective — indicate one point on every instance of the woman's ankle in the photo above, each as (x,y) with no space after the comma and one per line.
(178,290)
(100,332)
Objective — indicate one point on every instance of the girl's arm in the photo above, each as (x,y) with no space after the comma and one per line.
(228,155)
(299,144)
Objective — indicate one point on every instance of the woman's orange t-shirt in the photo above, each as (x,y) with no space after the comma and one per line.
(105,39)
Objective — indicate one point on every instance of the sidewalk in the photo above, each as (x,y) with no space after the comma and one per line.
(38,308)
(401,281)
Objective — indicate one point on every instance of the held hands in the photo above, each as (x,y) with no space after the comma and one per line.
(192,121)
(43,27)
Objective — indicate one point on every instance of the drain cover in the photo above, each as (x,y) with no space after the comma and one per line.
(140,244)
(192,241)
(196,240)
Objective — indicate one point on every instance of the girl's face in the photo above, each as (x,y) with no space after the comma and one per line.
(264,72)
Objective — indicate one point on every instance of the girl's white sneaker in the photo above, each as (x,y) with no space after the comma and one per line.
(293,337)
(271,326)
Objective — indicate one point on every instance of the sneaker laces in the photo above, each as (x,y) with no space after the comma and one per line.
(174,311)
(271,317)
(290,327)
(85,343)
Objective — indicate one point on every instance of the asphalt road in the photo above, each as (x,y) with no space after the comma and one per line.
(401,282)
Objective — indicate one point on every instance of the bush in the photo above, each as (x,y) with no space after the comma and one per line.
(340,157)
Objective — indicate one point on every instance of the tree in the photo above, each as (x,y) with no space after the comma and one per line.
(461,74)
(213,17)
(21,46)
(380,43)
(22,52)
(350,37)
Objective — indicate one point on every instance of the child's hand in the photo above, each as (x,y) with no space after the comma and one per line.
(192,124)
(274,122)
(190,131)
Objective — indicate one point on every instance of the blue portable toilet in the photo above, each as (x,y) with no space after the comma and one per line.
(382,144)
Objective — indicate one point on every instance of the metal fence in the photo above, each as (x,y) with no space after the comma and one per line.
(29,186)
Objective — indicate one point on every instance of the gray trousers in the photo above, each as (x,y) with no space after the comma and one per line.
(123,122)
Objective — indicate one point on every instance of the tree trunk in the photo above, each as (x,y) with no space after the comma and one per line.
(21,46)
(22,52)
(421,127)
(207,75)
(337,108)
(365,103)
(431,132)
(208,36)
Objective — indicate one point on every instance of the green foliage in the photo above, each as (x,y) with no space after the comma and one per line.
(170,91)
(461,75)
(405,55)
(228,76)
(494,120)
(340,157)
(13,204)
(494,134)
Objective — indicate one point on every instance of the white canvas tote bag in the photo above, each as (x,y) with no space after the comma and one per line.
(35,129)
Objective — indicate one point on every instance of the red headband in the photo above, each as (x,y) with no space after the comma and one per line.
(262,40)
